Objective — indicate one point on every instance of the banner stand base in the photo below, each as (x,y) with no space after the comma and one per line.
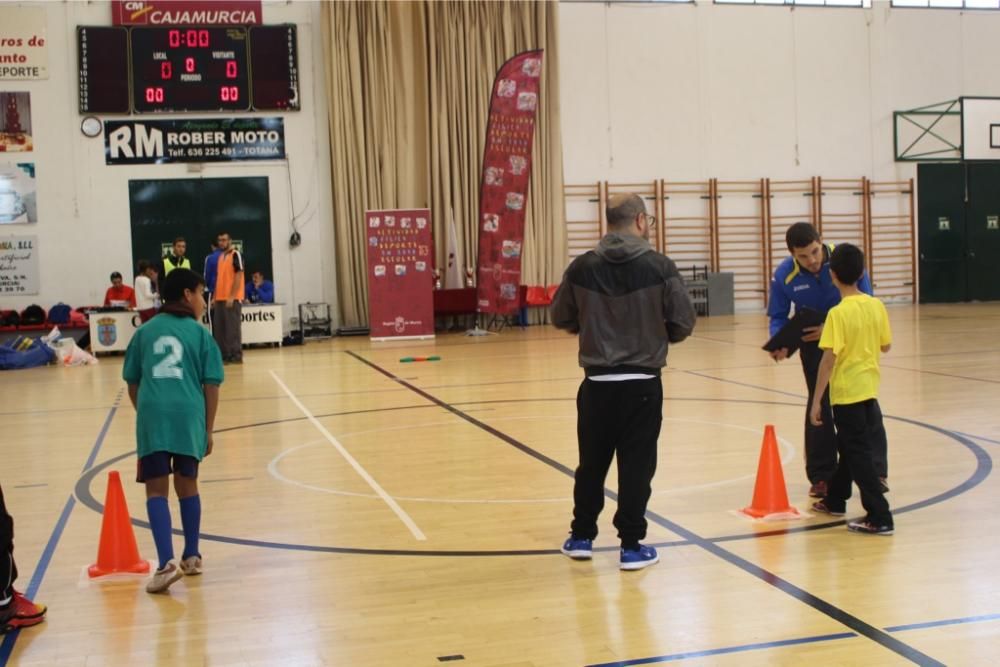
(386,339)
(479,332)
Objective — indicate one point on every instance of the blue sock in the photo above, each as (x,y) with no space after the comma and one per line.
(159,519)
(191,520)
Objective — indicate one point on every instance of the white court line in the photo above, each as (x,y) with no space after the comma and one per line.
(787,454)
(403,516)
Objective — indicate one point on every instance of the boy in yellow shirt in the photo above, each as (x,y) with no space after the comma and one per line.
(855,333)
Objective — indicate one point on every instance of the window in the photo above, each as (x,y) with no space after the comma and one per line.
(949,4)
(802,3)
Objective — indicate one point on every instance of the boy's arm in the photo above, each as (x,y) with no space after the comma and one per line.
(211,407)
(822,381)
(133,394)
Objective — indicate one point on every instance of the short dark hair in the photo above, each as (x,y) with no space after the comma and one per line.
(143,265)
(848,263)
(623,209)
(114,275)
(800,235)
(179,239)
(173,286)
(222,233)
(256,271)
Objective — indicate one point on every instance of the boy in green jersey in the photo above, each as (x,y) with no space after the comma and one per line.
(173,368)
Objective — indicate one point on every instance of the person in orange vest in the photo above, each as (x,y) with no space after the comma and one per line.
(227,310)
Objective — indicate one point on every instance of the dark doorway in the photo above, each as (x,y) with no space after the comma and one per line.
(958,224)
(197,209)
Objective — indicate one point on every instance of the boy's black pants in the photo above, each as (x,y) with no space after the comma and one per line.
(858,428)
(623,419)
(8,571)
(821,441)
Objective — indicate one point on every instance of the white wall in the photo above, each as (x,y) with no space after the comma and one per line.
(83,209)
(658,90)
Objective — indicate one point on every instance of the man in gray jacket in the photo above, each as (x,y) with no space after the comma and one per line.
(626,302)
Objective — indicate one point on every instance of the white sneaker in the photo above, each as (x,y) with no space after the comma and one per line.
(164,577)
(191,566)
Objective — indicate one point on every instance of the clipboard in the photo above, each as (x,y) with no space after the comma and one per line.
(791,334)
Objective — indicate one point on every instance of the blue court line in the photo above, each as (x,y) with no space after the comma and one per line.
(792,642)
(728,649)
(979,437)
(950,621)
(854,623)
(7,647)
(984,466)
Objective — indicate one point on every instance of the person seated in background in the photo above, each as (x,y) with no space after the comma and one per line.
(260,290)
(146,298)
(119,294)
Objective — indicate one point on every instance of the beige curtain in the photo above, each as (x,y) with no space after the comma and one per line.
(408,85)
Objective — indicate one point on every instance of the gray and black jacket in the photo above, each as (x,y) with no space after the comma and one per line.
(626,302)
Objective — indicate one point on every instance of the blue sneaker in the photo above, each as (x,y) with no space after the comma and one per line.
(636,560)
(578,549)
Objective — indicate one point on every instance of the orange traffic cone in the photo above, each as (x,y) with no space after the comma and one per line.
(770,497)
(117,552)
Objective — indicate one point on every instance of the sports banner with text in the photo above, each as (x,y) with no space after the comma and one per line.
(503,190)
(400,274)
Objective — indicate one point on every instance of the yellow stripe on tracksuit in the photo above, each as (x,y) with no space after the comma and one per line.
(796,270)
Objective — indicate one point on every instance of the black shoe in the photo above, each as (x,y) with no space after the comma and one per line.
(821,507)
(868,528)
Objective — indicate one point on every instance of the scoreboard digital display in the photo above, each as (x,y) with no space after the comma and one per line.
(187,68)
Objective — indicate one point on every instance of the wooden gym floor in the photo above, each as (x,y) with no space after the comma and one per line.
(362,511)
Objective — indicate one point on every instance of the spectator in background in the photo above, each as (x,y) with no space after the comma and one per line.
(260,290)
(211,266)
(146,298)
(176,259)
(229,293)
(119,294)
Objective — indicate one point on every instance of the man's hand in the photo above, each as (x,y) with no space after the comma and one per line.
(229,303)
(812,333)
(211,443)
(780,354)
(815,414)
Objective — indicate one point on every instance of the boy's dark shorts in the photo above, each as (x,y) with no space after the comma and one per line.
(161,464)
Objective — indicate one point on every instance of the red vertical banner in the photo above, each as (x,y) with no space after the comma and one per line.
(400,274)
(503,190)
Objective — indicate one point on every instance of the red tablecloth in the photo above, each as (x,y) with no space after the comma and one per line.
(462,301)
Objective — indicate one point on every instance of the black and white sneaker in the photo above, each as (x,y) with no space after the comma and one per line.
(868,528)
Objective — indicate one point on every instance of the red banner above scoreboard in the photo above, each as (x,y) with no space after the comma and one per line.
(186,12)
(400,274)
(503,190)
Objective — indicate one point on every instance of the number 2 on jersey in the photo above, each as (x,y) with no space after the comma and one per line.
(169,366)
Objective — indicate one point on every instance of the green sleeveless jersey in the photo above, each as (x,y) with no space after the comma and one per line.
(170,358)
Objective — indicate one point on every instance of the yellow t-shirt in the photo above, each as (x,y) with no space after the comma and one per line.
(855,331)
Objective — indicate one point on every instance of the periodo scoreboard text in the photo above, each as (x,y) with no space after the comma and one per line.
(187,68)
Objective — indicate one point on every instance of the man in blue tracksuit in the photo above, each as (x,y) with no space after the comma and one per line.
(804,280)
